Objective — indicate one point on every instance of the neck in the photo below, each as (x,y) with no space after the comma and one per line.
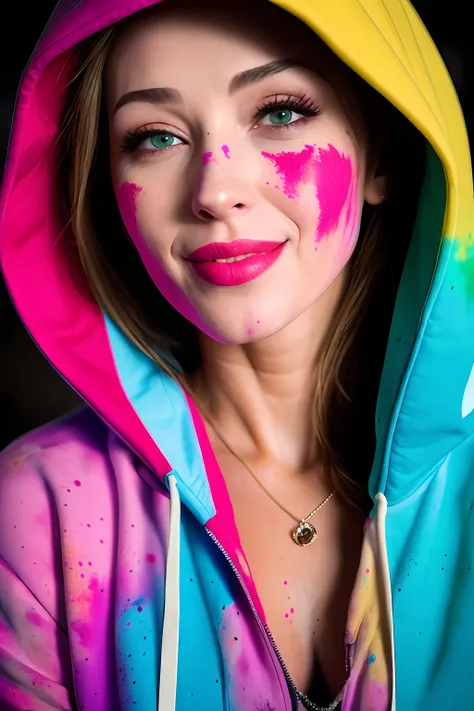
(260,395)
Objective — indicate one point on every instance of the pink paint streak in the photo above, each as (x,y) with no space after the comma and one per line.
(294,168)
(333,180)
(206,157)
(226,151)
(127,198)
(34,618)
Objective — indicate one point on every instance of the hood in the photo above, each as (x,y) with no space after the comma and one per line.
(426,400)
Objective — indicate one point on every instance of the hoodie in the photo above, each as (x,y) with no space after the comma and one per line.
(123,582)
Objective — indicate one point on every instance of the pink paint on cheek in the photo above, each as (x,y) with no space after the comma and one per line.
(207,157)
(333,175)
(127,199)
(294,168)
(226,151)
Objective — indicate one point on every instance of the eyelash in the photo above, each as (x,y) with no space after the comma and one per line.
(303,105)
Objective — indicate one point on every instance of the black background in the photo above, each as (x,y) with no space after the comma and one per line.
(31,393)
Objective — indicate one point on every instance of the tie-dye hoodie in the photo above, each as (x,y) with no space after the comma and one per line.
(123,583)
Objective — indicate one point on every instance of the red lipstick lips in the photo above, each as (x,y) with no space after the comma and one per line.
(253,257)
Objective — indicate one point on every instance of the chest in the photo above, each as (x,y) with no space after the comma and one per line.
(305,591)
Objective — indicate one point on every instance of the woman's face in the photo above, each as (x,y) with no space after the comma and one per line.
(221,136)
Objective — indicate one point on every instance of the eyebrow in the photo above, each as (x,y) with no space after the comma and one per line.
(165,95)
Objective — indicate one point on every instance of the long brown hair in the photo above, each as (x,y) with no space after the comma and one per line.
(348,365)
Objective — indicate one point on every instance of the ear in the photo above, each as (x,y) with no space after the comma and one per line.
(376,189)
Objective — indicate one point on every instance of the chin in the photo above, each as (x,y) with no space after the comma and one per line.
(245,333)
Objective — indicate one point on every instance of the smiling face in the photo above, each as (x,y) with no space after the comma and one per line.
(220,135)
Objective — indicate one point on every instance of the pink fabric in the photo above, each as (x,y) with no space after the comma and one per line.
(222,524)
(41,270)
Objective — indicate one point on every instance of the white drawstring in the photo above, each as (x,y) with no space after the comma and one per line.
(170,641)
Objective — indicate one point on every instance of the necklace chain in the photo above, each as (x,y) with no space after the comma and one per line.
(263,487)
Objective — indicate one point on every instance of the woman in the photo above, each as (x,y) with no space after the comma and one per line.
(204,225)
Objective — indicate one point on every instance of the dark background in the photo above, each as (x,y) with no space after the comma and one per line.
(31,393)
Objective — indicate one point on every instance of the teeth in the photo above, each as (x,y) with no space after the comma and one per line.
(234,259)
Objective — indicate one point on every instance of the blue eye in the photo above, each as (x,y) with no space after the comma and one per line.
(160,140)
(286,110)
(149,141)
(280,117)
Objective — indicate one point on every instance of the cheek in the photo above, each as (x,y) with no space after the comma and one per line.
(128,200)
(333,179)
(323,187)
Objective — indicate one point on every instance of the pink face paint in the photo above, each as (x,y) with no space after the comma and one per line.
(127,198)
(294,168)
(207,157)
(226,151)
(333,175)
(334,182)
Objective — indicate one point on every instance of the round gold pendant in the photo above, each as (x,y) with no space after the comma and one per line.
(304,534)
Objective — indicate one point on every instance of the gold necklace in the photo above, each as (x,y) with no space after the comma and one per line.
(305,533)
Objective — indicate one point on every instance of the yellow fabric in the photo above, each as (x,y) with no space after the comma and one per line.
(387,44)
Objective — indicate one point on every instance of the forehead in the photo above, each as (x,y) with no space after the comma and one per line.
(199,50)
(172,40)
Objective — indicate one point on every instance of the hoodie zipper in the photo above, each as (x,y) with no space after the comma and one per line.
(263,628)
(292,688)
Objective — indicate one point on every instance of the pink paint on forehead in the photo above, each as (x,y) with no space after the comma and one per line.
(294,168)
(226,151)
(206,157)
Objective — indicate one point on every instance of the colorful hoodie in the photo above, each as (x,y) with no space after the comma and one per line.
(123,583)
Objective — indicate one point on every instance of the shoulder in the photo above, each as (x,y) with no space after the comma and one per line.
(41,464)
(76,434)
(36,473)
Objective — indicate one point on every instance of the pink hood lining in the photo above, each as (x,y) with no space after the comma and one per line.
(43,272)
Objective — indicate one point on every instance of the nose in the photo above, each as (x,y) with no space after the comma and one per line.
(224,188)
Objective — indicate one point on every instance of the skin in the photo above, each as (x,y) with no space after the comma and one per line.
(256,366)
